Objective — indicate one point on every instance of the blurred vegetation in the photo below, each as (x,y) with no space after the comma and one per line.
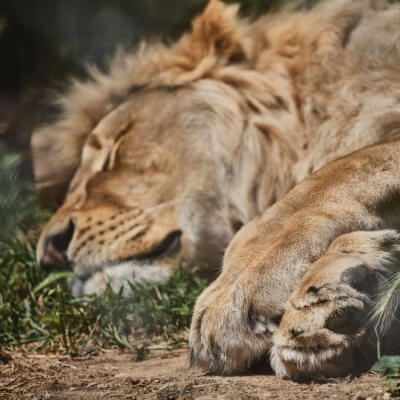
(389,368)
(20,211)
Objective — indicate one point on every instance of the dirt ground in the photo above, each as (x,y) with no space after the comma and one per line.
(164,375)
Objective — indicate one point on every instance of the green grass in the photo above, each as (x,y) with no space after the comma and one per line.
(38,308)
(389,367)
(385,317)
(20,211)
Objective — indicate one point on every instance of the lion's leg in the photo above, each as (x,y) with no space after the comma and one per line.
(325,330)
(234,319)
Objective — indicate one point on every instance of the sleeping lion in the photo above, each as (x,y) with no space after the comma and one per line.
(271,148)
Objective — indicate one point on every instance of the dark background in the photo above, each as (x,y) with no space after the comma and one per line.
(42,42)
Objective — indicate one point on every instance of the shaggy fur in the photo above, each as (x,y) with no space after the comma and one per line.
(174,148)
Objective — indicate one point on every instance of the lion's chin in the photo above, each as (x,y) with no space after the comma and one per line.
(118,276)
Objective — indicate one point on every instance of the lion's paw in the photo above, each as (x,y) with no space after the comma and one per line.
(318,331)
(227,336)
(324,330)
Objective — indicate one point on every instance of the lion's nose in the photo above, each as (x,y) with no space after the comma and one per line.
(55,249)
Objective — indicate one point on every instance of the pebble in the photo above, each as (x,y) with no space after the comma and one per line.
(360,396)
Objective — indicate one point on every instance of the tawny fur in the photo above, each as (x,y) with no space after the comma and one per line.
(207,135)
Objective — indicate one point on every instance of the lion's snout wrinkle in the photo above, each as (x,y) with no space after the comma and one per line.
(111,245)
(105,235)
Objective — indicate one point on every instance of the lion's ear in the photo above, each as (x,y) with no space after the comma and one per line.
(216,32)
(55,156)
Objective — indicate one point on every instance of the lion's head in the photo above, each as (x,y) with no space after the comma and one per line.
(165,156)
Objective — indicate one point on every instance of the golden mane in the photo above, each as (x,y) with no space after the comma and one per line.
(280,60)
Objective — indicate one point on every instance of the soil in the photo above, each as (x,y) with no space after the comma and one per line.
(163,375)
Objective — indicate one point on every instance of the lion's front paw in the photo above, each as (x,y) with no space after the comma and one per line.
(226,335)
(320,332)
(324,330)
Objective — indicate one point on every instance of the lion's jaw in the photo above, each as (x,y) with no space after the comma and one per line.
(151,191)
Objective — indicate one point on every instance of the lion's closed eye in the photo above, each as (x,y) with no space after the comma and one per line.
(169,246)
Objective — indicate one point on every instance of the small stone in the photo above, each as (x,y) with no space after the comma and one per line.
(360,396)
(386,396)
(122,376)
